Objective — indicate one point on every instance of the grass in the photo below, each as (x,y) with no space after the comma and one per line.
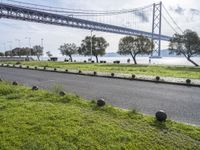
(154,70)
(44,120)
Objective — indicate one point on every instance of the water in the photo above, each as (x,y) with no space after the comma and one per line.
(140,60)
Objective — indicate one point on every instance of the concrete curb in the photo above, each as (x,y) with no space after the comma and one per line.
(79,72)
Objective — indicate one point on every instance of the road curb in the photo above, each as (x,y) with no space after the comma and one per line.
(112,76)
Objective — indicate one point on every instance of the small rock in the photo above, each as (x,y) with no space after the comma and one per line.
(35,88)
(161,115)
(14,83)
(157,78)
(188,81)
(101,102)
(62,93)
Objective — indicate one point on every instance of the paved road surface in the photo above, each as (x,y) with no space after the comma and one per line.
(180,102)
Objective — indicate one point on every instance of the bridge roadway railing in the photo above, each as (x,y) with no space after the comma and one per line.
(27,14)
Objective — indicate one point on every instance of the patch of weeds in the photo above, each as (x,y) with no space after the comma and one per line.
(109,109)
(56,88)
(124,139)
(159,125)
(14,96)
(65,99)
(2,106)
(134,111)
(93,102)
(32,144)
(133,114)
(5,90)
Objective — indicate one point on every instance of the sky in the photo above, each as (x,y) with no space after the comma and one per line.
(185,12)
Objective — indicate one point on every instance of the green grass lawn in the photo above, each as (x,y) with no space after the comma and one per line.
(155,70)
(44,120)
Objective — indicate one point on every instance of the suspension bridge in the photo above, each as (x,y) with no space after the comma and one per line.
(126,21)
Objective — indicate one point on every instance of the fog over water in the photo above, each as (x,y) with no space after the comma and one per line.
(140,60)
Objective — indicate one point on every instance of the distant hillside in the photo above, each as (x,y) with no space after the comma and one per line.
(112,54)
(165,53)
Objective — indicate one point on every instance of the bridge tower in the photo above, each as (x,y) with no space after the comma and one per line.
(156,29)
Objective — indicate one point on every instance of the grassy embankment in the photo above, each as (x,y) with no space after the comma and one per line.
(154,70)
(43,120)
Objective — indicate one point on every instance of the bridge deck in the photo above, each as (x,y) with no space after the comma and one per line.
(19,12)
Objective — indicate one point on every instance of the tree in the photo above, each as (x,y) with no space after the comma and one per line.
(187,45)
(135,45)
(8,53)
(37,51)
(1,54)
(25,51)
(49,54)
(17,51)
(68,50)
(99,45)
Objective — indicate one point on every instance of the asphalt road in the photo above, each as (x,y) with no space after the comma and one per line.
(181,103)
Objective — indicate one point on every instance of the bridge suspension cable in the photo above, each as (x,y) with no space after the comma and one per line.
(78,11)
(177,26)
(169,24)
(137,18)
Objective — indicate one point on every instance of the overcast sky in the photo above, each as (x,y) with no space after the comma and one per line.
(185,12)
